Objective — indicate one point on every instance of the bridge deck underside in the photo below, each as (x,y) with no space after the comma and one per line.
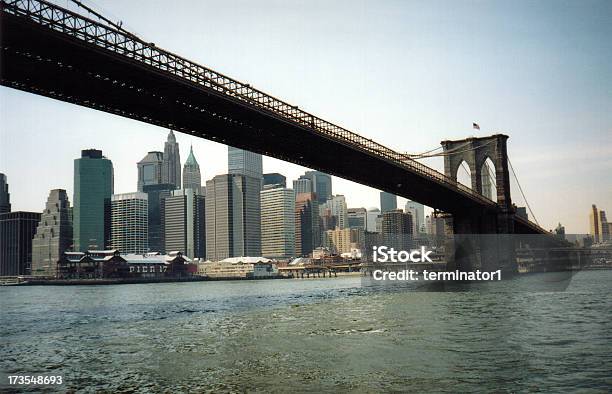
(49,63)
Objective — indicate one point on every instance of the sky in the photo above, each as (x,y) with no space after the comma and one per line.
(408,74)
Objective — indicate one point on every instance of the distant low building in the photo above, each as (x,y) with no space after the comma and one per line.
(239,268)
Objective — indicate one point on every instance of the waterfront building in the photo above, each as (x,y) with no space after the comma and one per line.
(337,206)
(233,216)
(418,215)
(53,235)
(373,214)
(104,264)
(155,215)
(93,187)
(239,268)
(171,164)
(277,222)
(5,197)
(129,222)
(397,229)
(184,223)
(192,178)
(16,232)
(388,202)
(321,184)
(302,185)
(307,231)
(150,170)
(244,162)
(357,218)
(274,179)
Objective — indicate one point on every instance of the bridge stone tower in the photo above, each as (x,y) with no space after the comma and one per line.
(481,239)
(475,151)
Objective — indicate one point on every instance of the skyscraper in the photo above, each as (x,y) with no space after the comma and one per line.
(302,185)
(388,202)
(373,214)
(150,170)
(274,179)
(93,187)
(171,164)
(307,231)
(357,218)
(277,222)
(155,202)
(321,185)
(244,162)
(337,206)
(129,218)
(418,215)
(604,229)
(397,229)
(192,178)
(185,223)
(16,232)
(595,224)
(54,234)
(233,216)
(5,197)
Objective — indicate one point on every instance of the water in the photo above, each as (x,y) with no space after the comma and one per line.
(314,336)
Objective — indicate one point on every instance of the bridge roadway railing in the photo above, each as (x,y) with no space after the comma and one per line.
(127,44)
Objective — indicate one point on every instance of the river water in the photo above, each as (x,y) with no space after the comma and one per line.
(314,336)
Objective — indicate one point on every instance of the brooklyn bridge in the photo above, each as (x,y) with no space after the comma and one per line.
(93,62)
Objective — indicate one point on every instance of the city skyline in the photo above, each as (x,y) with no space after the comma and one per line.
(543,134)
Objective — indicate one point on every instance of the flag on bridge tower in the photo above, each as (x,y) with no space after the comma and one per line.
(475,126)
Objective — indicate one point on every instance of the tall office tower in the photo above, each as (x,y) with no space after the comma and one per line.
(327,221)
(397,229)
(373,214)
(93,187)
(604,229)
(155,202)
(192,178)
(233,217)
(357,218)
(321,184)
(5,197)
(337,207)
(307,231)
(171,164)
(150,170)
(129,222)
(244,162)
(277,222)
(16,232)
(184,223)
(418,215)
(595,228)
(388,202)
(302,185)
(54,234)
(274,178)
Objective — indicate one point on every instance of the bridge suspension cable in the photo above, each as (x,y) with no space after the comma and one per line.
(521,190)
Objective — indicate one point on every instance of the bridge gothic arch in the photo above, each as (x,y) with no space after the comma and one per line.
(475,151)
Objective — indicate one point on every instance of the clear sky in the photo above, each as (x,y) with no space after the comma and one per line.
(405,73)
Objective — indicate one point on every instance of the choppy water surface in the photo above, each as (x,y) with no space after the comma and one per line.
(314,335)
